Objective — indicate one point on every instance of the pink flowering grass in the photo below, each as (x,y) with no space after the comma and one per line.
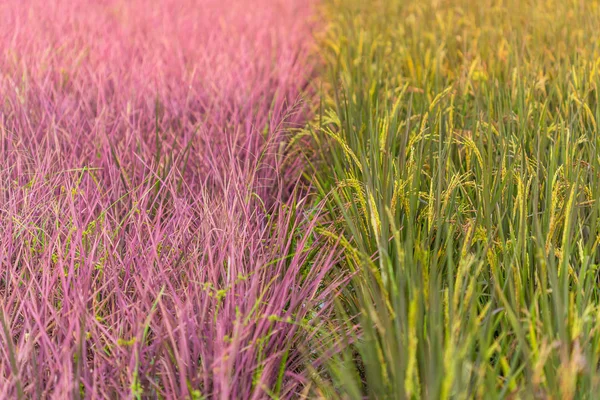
(155,235)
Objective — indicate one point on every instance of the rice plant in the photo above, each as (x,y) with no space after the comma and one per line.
(156,236)
(382,199)
(459,147)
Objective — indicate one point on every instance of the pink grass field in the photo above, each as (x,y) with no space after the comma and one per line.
(155,237)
